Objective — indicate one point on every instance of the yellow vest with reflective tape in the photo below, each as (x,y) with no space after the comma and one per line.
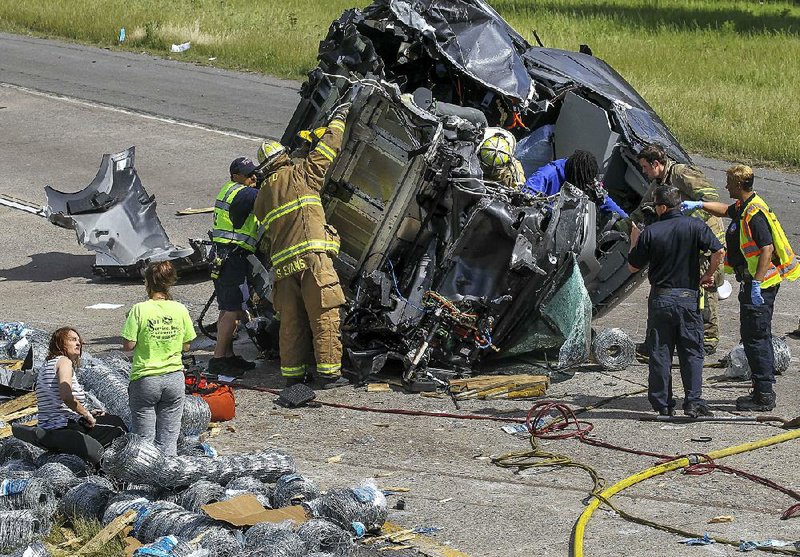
(784,264)
(248,235)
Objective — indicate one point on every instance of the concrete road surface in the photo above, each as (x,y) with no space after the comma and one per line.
(62,106)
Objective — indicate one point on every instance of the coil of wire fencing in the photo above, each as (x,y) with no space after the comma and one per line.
(60,478)
(87,500)
(32,493)
(121,503)
(130,458)
(613,349)
(196,416)
(257,533)
(200,493)
(325,537)
(12,449)
(274,542)
(293,489)
(106,379)
(248,484)
(783,355)
(36,549)
(18,528)
(75,463)
(361,509)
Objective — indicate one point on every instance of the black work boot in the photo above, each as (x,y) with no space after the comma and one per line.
(668,411)
(297,380)
(696,409)
(756,402)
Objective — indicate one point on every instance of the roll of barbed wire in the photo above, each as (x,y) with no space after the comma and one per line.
(17,468)
(57,476)
(293,489)
(354,509)
(189,447)
(32,493)
(12,448)
(218,541)
(182,471)
(196,416)
(75,463)
(249,484)
(130,458)
(613,349)
(783,354)
(320,554)
(121,503)
(200,493)
(254,535)
(87,500)
(36,549)
(94,403)
(323,536)
(18,528)
(267,466)
(274,542)
(172,547)
(106,379)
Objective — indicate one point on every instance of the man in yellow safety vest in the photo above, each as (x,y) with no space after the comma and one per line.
(760,256)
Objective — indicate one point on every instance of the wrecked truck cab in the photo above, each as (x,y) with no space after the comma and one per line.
(449,273)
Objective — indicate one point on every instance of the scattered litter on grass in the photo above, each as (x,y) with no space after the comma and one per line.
(122,35)
(183,47)
(212,58)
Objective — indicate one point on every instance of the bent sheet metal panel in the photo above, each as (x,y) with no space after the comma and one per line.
(115,217)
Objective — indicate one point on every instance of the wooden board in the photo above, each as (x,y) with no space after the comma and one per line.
(17,404)
(423,544)
(500,386)
(108,533)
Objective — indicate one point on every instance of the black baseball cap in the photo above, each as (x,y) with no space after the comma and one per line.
(243,166)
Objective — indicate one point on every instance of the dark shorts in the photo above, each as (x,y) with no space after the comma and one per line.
(231,286)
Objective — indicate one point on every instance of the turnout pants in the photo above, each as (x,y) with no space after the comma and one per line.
(674,322)
(755,327)
(308,304)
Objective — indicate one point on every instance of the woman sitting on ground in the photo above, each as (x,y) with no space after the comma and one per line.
(157,331)
(69,426)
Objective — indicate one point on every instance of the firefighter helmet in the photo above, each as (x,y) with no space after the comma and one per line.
(497,147)
(269,152)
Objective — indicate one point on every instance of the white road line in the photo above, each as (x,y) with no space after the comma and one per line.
(146,116)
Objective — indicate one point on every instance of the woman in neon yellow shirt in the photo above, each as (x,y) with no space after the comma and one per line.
(158,331)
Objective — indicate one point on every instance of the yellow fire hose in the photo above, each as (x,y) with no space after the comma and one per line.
(580,526)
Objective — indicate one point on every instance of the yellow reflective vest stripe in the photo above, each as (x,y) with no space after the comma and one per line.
(287,208)
(248,236)
(784,264)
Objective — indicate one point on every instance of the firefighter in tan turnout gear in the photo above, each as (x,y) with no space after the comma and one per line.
(307,294)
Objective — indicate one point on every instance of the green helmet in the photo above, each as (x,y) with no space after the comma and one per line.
(497,147)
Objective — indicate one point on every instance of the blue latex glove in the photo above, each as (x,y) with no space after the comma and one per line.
(755,293)
(689,206)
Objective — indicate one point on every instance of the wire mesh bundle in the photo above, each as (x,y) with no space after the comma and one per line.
(248,484)
(783,355)
(185,470)
(57,476)
(254,536)
(86,500)
(172,547)
(192,447)
(613,349)
(131,458)
(324,536)
(360,508)
(75,463)
(33,493)
(320,554)
(13,473)
(200,493)
(12,448)
(106,378)
(18,528)
(274,542)
(219,541)
(266,466)
(36,549)
(94,403)
(293,489)
(196,416)
(161,518)
(121,503)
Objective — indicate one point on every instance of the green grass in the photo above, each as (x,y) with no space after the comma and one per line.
(723,74)
(85,530)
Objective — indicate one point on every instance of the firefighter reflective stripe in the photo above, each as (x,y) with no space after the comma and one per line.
(787,267)
(224,199)
(287,208)
(305,247)
(325,151)
(296,371)
(337,125)
(329,369)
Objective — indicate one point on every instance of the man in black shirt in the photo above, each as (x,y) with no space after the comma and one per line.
(674,320)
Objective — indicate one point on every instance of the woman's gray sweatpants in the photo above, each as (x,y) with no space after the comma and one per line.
(157,408)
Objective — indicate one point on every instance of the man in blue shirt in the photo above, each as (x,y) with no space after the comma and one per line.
(674,320)
(580,170)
